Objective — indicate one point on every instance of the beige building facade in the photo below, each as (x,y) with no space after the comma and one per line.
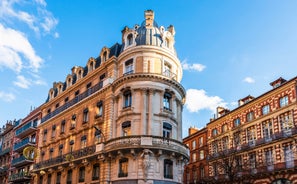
(118,119)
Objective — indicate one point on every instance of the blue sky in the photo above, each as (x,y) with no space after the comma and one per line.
(229,49)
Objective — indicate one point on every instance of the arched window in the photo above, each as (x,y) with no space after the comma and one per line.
(167,101)
(128,67)
(126,128)
(214,132)
(129,39)
(104,56)
(224,128)
(168,169)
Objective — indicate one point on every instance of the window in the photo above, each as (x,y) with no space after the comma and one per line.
(126,127)
(286,123)
(69,176)
(76,93)
(193,145)
(63,126)
(167,129)
(129,67)
(265,109)
(225,143)
(127,99)
(250,116)
(71,143)
(96,172)
(53,130)
(202,172)
(168,169)
(215,147)
(236,138)
(101,80)
(201,154)
(99,109)
(252,159)
(267,130)
(200,141)
(104,58)
(167,101)
(83,142)
(283,101)
(224,128)
(289,156)
(58,179)
(98,136)
(215,169)
(86,115)
(66,99)
(81,176)
(33,138)
(60,149)
(49,179)
(44,135)
(167,70)
(236,122)
(73,122)
(91,67)
(193,157)
(214,132)
(40,179)
(89,85)
(269,157)
(57,105)
(123,167)
(251,136)
(130,39)
(51,151)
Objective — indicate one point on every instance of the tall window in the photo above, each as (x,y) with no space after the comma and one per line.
(168,169)
(283,101)
(86,115)
(126,128)
(167,130)
(225,143)
(63,126)
(71,143)
(129,66)
(201,154)
(81,176)
(252,160)
(167,101)
(214,132)
(101,78)
(194,157)
(58,179)
(83,142)
(51,152)
(129,39)
(215,147)
(53,130)
(127,99)
(193,144)
(236,122)
(224,128)
(123,167)
(267,130)
(97,136)
(251,136)
(200,141)
(104,56)
(286,123)
(167,70)
(289,156)
(40,179)
(73,122)
(60,149)
(96,172)
(99,109)
(49,179)
(265,109)
(44,135)
(202,171)
(69,176)
(269,157)
(250,116)
(236,139)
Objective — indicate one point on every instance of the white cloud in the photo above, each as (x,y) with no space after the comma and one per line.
(196,66)
(12,44)
(22,82)
(41,2)
(249,80)
(8,97)
(198,100)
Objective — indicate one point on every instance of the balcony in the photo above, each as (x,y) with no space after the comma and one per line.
(19,177)
(3,171)
(26,129)
(21,161)
(77,99)
(21,145)
(76,155)
(146,142)
(6,151)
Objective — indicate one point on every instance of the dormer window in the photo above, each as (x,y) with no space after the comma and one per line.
(79,75)
(69,81)
(129,39)
(104,58)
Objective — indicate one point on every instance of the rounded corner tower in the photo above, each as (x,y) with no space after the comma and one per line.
(148,102)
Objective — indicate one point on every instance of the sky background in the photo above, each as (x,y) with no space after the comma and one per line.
(228,49)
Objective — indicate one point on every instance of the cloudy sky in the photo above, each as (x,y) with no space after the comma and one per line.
(228,49)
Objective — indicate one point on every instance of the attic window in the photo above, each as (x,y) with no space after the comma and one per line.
(104,58)
(129,39)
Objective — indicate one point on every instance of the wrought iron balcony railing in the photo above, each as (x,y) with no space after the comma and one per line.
(28,126)
(19,176)
(20,160)
(23,143)
(77,99)
(6,151)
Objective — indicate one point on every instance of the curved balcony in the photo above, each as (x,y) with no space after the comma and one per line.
(150,142)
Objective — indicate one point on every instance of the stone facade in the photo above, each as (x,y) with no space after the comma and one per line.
(119,118)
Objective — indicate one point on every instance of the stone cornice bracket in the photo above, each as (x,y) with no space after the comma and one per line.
(134,155)
(157,155)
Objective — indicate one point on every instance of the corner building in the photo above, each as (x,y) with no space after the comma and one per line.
(118,119)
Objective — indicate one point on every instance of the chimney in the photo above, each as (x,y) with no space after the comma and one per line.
(193,130)
(149,18)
